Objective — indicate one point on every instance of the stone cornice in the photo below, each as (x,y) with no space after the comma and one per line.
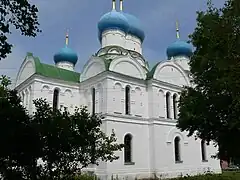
(156,82)
(26,83)
(138,120)
(118,51)
(43,79)
(113,75)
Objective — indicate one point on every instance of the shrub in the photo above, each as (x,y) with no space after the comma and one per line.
(85,177)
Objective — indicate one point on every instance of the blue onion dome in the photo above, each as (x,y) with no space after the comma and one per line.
(66,54)
(112,20)
(179,48)
(135,28)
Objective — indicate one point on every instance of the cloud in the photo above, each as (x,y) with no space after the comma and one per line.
(81,17)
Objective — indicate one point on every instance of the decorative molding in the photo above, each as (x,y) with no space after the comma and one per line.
(176,132)
(112,52)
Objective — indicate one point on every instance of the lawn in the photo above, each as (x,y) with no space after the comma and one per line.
(226,175)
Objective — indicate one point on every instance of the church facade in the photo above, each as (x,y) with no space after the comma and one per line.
(138,102)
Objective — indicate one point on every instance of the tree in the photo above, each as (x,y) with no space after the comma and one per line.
(211,109)
(19,142)
(71,142)
(50,144)
(19,14)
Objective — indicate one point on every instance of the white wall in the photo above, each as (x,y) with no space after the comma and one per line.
(140,149)
(26,70)
(152,132)
(183,62)
(116,97)
(190,151)
(69,95)
(119,38)
(65,65)
(171,73)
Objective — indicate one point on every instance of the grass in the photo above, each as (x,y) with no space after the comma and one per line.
(226,175)
(231,174)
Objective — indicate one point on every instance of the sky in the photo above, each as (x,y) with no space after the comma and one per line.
(80,18)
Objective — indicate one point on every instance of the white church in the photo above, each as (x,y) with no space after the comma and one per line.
(139,103)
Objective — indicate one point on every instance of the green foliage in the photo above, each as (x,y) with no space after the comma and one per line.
(211,109)
(19,14)
(71,138)
(85,177)
(19,142)
(64,142)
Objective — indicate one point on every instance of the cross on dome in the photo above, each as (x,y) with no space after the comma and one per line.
(179,47)
(177,30)
(121,5)
(67,38)
(66,54)
(114,5)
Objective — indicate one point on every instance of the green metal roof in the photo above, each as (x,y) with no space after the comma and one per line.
(54,72)
(151,73)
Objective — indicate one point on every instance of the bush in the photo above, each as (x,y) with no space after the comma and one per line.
(85,177)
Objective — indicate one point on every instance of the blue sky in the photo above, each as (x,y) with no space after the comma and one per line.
(81,17)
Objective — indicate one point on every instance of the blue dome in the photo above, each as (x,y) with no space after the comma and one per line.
(66,54)
(113,20)
(121,21)
(135,28)
(179,48)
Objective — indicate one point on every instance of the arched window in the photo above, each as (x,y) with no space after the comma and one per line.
(30,100)
(27,98)
(177,149)
(168,104)
(127,100)
(55,98)
(23,99)
(203,149)
(128,148)
(93,100)
(175,106)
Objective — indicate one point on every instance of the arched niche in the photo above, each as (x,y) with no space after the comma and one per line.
(45,91)
(68,93)
(138,102)
(127,66)
(117,97)
(171,73)
(45,88)
(173,133)
(99,97)
(93,67)
(118,85)
(27,69)
(161,103)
